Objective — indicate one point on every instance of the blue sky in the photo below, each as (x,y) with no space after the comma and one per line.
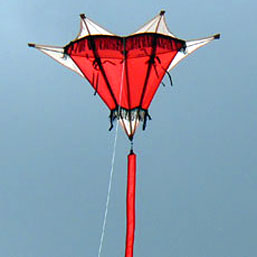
(196,182)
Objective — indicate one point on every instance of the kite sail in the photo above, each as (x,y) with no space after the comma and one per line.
(125,71)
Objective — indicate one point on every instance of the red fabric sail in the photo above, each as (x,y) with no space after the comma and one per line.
(131,192)
(125,71)
(135,64)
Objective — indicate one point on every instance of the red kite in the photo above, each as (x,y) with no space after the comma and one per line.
(126,73)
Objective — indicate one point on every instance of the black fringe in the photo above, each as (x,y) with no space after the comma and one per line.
(122,113)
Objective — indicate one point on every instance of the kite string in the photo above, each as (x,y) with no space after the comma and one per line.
(108,192)
(111,171)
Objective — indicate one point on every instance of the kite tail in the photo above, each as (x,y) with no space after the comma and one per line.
(131,192)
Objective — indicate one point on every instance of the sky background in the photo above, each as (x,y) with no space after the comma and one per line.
(197,160)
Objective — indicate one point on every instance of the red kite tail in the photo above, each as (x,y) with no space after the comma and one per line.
(131,192)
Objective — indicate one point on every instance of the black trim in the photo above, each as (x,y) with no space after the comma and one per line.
(112,118)
(31,45)
(123,113)
(147,117)
(98,61)
(169,76)
(156,35)
(95,82)
(162,12)
(151,62)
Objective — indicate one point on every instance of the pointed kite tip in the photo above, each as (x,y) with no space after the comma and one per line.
(131,137)
(217,36)
(82,16)
(162,12)
(31,45)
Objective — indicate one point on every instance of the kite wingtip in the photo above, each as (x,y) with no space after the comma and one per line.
(162,12)
(217,36)
(31,45)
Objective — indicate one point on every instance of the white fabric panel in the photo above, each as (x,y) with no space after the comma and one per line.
(149,26)
(191,46)
(89,27)
(163,28)
(129,126)
(57,53)
(156,25)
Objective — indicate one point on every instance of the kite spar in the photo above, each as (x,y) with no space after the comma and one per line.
(126,73)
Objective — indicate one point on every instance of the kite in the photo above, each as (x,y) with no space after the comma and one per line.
(125,71)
